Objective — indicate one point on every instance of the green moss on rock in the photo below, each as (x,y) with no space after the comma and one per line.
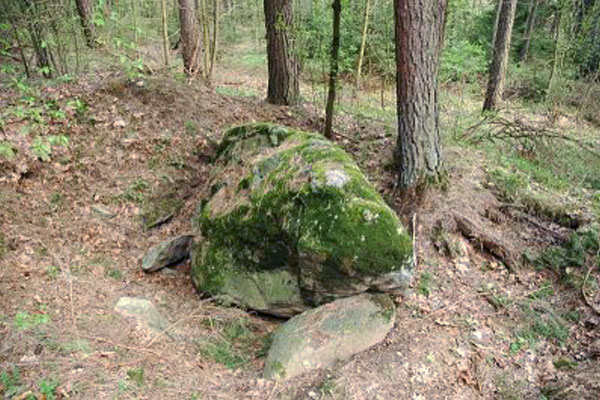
(290,204)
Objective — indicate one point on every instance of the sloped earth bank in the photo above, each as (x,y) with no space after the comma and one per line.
(73,233)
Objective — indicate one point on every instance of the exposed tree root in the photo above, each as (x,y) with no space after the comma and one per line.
(487,240)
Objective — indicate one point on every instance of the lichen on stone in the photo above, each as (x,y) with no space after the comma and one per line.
(291,203)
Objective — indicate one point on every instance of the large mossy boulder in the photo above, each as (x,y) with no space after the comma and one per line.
(293,223)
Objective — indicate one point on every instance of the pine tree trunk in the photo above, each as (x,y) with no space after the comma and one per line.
(215,40)
(524,53)
(205,40)
(283,87)
(85,11)
(363,43)
(419,31)
(165,30)
(333,72)
(189,37)
(500,56)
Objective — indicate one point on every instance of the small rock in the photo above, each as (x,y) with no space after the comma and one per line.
(103,211)
(143,311)
(333,332)
(167,253)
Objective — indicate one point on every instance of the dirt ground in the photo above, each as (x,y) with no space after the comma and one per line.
(73,235)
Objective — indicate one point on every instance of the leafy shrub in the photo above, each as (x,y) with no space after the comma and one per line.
(463,61)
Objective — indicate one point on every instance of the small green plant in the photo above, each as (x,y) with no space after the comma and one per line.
(564,363)
(79,105)
(48,388)
(114,273)
(425,282)
(328,387)
(7,151)
(136,375)
(58,140)
(191,127)
(41,148)
(135,192)
(52,271)
(230,349)
(24,320)
(11,382)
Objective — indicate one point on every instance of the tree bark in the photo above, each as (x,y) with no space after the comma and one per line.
(500,55)
(215,41)
(85,11)
(496,20)
(165,30)
(419,31)
(333,72)
(524,53)
(283,87)
(363,43)
(189,37)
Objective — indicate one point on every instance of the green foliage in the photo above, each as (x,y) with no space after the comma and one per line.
(136,375)
(11,382)
(7,150)
(425,282)
(463,62)
(24,320)
(313,35)
(41,148)
(581,248)
(48,388)
(542,323)
(135,192)
(232,347)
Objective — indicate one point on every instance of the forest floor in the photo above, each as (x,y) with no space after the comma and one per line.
(479,322)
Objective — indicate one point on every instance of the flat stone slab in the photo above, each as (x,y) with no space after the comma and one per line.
(143,311)
(167,252)
(333,332)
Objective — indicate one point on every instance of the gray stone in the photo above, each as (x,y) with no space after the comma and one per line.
(333,332)
(292,223)
(167,253)
(143,311)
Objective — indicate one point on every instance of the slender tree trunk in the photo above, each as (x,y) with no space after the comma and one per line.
(524,53)
(165,31)
(134,15)
(333,72)
(419,25)
(85,11)
(36,33)
(500,56)
(496,20)
(363,43)
(189,37)
(215,41)
(205,40)
(283,87)
(21,52)
(558,53)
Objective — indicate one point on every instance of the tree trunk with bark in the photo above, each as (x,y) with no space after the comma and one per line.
(500,55)
(283,87)
(165,30)
(363,42)
(528,31)
(333,72)
(419,32)
(86,11)
(189,37)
